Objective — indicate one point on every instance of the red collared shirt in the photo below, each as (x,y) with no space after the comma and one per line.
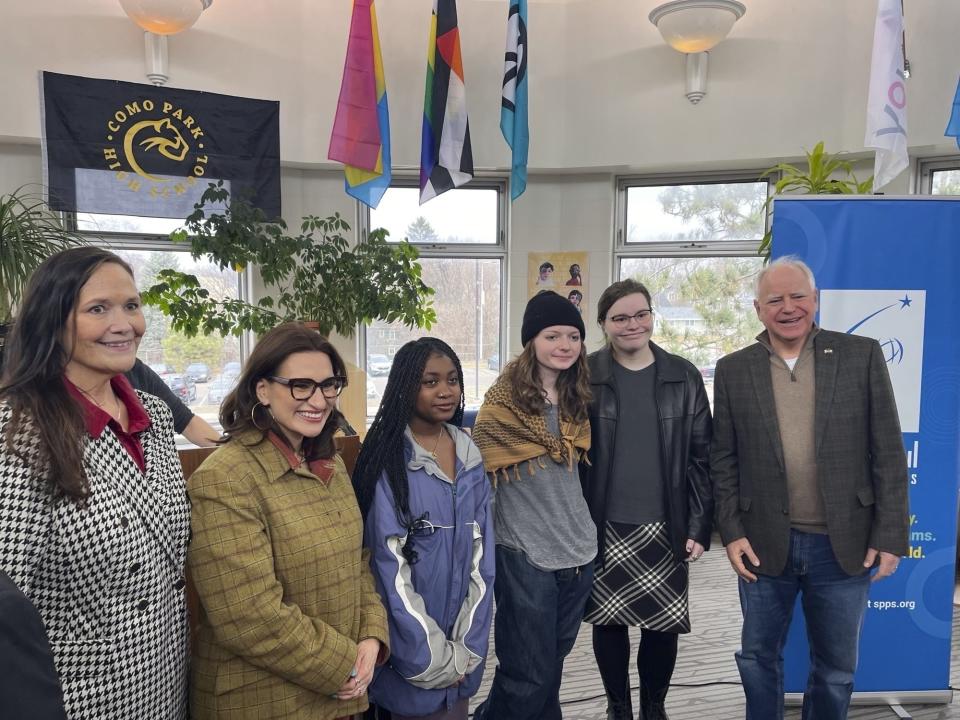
(97,419)
(322,468)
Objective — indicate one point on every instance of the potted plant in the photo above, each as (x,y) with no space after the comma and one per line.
(313,276)
(29,233)
(818,179)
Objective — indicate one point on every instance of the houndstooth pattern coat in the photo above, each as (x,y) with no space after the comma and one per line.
(107,576)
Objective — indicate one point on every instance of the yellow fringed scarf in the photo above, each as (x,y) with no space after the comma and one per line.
(507,436)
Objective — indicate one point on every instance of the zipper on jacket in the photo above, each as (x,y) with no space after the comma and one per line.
(664,468)
(453,555)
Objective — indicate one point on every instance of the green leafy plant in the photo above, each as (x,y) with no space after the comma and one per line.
(29,233)
(312,276)
(819,178)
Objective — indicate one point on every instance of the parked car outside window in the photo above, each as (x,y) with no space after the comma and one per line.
(182,386)
(218,389)
(162,369)
(198,372)
(378,365)
(231,370)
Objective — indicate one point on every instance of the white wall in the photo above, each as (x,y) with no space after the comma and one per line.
(606,92)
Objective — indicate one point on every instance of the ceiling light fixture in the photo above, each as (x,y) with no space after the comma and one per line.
(694,27)
(160,18)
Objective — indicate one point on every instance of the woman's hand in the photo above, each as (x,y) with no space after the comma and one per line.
(367,652)
(694,550)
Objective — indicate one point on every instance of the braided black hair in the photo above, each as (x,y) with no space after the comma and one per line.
(383,448)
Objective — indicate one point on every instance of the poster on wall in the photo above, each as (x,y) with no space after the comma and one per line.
(886,268)
(562,272)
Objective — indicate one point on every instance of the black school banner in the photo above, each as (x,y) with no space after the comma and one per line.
(130,149)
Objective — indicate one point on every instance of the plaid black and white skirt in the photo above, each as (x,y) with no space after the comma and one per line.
(641,583)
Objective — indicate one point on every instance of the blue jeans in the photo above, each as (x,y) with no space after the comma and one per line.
(833,607)
(536,624)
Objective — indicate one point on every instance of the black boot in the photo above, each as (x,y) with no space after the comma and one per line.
(651,705)
(620,709)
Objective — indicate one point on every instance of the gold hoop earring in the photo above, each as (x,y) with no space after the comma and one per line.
(253,416)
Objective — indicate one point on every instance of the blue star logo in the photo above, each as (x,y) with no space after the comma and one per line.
(905,301)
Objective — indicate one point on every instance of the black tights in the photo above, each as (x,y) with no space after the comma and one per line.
(656,658)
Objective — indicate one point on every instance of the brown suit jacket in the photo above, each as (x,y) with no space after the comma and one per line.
(861,463)
(285,589)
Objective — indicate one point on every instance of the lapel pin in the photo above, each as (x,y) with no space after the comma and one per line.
(828,351)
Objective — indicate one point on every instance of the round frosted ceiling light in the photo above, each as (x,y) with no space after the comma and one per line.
(164,17)
(693,26)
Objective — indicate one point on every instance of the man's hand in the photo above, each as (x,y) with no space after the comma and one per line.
(888,563)
(736,549)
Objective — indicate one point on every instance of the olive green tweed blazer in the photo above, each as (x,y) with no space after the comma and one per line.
(285,589)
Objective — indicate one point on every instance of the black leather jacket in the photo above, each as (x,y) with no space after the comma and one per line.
(685,432)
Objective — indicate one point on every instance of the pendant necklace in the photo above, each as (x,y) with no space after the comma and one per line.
(97,403)
(433,453)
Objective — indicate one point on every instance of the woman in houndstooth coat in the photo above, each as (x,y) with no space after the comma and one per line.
(94,518)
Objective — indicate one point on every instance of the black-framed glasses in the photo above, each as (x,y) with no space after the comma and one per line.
(624,320)
(304,388)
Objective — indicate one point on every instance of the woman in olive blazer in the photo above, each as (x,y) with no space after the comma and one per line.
(291,624)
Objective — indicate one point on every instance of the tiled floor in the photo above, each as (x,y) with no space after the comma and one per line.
(706,685)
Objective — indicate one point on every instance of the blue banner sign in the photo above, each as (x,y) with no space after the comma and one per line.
(888,268)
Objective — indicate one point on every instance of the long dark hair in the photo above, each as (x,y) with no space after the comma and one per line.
(383,448)
(241,410)
(36,358)
(573,385)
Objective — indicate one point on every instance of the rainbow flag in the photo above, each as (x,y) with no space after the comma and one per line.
(446,160)
(361,129)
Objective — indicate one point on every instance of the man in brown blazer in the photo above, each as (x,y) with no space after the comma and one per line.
(810,483)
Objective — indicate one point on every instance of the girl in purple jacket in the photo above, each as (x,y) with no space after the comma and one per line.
(425,500)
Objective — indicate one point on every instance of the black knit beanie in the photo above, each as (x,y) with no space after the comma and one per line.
(547,309)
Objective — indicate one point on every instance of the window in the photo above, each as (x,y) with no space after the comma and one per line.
(945,182)
(465,216)
(693,242)
(126,224)
(459,234)
(202,369)
(694,214)
(703,306)
(939,176)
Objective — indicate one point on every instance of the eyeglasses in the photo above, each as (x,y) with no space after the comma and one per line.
(624,320)
(304,388)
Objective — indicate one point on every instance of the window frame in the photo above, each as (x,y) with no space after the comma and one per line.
(673,248)
(154,242)
(459,251)
(926,167)
(681,250)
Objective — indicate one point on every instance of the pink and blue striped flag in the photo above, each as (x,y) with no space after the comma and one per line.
(361,129)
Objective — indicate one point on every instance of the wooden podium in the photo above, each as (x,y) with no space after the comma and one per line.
(353,400)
